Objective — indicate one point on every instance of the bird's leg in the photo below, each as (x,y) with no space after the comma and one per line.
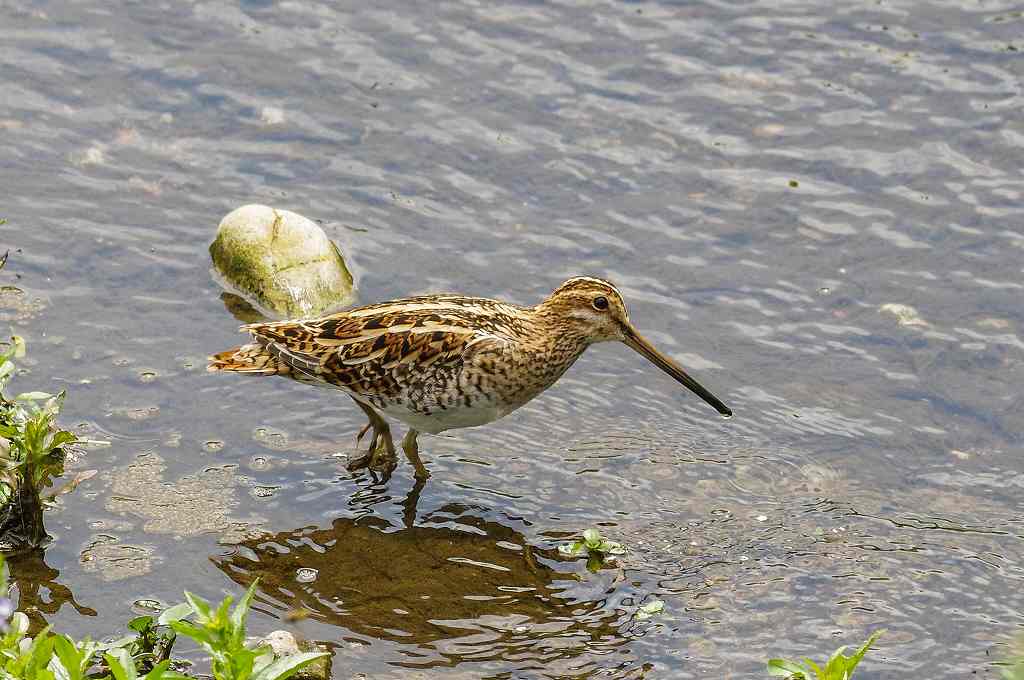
(362,432)
(412,452)
(375,458)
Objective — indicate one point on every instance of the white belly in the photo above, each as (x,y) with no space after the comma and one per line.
(451,418)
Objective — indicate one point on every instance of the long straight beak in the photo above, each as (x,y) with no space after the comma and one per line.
(641,345)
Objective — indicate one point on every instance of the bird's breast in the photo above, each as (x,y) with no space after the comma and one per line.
(480,391)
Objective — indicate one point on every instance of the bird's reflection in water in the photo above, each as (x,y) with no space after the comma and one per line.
(456,584)
(38,593)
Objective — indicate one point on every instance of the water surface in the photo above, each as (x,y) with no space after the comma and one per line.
(816,210)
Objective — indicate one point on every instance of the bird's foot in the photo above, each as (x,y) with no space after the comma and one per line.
(379,457)
(374,461)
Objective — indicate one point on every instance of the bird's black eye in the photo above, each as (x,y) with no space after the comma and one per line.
(600,303)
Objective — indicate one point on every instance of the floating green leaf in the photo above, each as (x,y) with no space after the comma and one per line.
(649,609)
(592,539)
(591,543)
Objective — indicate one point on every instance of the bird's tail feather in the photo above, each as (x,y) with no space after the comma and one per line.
(251,358)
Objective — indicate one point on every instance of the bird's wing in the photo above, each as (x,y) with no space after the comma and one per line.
(364,354)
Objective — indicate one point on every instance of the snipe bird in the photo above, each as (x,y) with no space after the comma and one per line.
(439,362)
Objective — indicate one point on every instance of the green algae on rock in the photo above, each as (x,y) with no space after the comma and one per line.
(281,262)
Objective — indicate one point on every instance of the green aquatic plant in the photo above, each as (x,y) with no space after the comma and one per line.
(221,633)
(145,655)
(649,609)
(32,453)
(838,667)
(153,639)
(596,547)
(52,656)
(592,542)
(121,667)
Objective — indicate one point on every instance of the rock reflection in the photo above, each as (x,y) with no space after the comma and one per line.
(39,593)
(461,585)
(240,308)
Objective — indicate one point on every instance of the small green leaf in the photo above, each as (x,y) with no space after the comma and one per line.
(856,658)
(837,666)
(18,343)
(200,635)
(572,549)
(65,666)
(54,404)
(33,396)
(120,665)
(175,613)
(116,644)
(287,666)
(815,667)
(592,538)
(140,624)
(241,610)
(649,609)
(785,668)
(222,609)
(200,606)
(62,438)
(611,548)
(160,672)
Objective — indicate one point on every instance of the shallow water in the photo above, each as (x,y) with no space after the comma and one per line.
(768,183)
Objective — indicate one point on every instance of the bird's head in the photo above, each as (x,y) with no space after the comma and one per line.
(593,310)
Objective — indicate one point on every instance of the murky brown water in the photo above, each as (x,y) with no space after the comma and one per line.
(765,181)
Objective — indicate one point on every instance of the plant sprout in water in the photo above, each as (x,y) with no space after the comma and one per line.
(649,609)
(838,667)
(596,547)
(592,542)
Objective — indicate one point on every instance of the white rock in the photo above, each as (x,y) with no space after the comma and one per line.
(280,262)
(282,642)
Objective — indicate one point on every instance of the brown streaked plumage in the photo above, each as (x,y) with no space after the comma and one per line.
(439,362)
